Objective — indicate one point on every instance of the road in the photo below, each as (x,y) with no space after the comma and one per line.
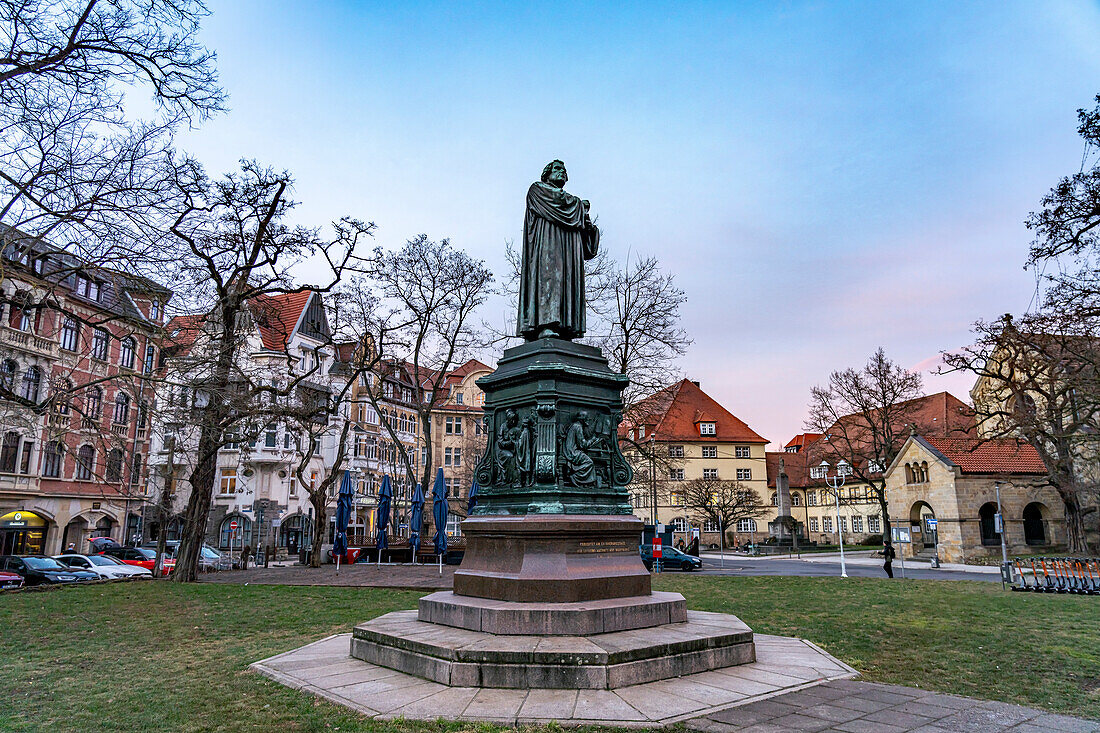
(858,566)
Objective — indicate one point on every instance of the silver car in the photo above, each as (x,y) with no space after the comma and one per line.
(104,566)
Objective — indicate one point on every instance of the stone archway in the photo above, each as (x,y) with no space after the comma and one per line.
(921,531)
(1035,524)
(75,534)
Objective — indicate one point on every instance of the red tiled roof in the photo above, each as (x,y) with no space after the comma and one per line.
(802,440)
(1002,455)
(796,465)
(182,331)
(277,315)
(674,413)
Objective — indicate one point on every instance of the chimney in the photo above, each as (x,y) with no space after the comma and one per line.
(695,382)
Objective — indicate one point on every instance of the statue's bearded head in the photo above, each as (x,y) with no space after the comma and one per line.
(554,173)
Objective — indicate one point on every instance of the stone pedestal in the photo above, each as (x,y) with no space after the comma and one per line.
(552,558)
(552,591)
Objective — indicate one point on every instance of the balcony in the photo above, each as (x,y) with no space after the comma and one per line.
(28,342)
(120,430)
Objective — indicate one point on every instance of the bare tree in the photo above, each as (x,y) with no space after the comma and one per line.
(233,253)
(435,289)
(865,416)
(722,503)
(1038,380)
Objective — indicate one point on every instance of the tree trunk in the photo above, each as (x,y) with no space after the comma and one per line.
(882,504)
(198,508)
(317,499)
(1076,541)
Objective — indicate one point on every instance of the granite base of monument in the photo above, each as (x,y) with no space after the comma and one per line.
(465,658)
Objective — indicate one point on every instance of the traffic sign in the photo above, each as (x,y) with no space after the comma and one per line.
(657,547)
(932,522)
(233,526)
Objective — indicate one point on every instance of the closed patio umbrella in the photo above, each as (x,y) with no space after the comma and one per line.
(440,509)
(343,515)
(474,488)
(385,498)
(416,520)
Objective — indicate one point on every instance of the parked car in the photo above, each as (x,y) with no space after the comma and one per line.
(42,570)
(209,558)
(10,580)
(141,557)
(671,559)
(104,566)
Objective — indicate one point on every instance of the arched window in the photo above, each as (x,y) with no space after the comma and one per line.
(244,528)
(796,498)
(987,517)
(85,463)
(114,465)
(746,525)
(54,459)
(62,394)
(122,408)
(775,500)
(126,350)
(1034,526)
(104,527)
(32,380)
(7,374)
(93,403)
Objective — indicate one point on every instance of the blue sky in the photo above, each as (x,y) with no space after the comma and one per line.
(822,178)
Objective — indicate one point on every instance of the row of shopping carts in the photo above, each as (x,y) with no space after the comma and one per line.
(1058,575)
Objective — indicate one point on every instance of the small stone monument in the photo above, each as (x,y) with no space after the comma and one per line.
(784,528)
(552,591)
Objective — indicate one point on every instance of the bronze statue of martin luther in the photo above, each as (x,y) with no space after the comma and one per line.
(558,236)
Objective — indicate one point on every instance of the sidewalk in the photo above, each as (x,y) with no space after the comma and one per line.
(859,557)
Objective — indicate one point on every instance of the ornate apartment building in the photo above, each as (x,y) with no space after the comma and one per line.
(77,343)
(286,341)
(686,435)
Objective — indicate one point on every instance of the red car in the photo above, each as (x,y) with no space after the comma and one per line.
(142,557)
(10,580)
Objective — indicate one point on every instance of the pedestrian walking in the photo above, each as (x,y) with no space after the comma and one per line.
(244,556)
(888,555)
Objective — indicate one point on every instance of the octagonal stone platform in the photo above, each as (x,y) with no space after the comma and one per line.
(581,618)
(460,657)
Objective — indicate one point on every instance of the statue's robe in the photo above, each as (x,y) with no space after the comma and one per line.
(557,239)
(582,469)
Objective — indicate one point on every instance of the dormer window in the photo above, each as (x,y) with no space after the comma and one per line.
(87,288)
(458,398)
(707,428)
(154,310)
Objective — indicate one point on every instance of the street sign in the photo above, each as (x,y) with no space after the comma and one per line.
(233,526)
(932,522)
(998,523)
(275,523)
(657,547)
(900,535)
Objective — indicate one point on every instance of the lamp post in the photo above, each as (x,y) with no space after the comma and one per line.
(843,470)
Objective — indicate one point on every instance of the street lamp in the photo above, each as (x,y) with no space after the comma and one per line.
(843,470)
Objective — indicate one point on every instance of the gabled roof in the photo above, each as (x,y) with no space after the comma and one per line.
(801,440)
(998,456)
(796,466)
(674,413)
(181,333)
(276,316)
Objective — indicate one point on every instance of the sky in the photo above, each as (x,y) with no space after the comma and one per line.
(822,178)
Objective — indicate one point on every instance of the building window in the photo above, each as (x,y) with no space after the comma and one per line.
(9,452)
(454,525)
(744,474)
(7,374)
(796,498)
(25,459)
(228,481)
(93,403)
(114,466)
(32,380)
(874,524)
(811,498)
(707,428)
(154,310)
(150,359)
(100,344)
(458,457)
(126,351)
(87,287)
(446,456)
(122,408)
(711,473)
(857,524)
(458,398)
(775,500)
(135,470)
(742,451)
(70,333)
(746,525)
(677,451)
(454,426)
(85,463)
(813,524)
(55,457)
(710,525)
(679,524)
(844,524)
(676,474)
(271,436)
(826,524)
(710,451)
(244,528)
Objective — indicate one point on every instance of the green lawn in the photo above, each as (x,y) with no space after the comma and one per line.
(160,656)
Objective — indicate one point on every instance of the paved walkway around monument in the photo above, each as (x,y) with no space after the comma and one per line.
(793,686)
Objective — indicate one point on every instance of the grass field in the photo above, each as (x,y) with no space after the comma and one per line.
(160,656)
